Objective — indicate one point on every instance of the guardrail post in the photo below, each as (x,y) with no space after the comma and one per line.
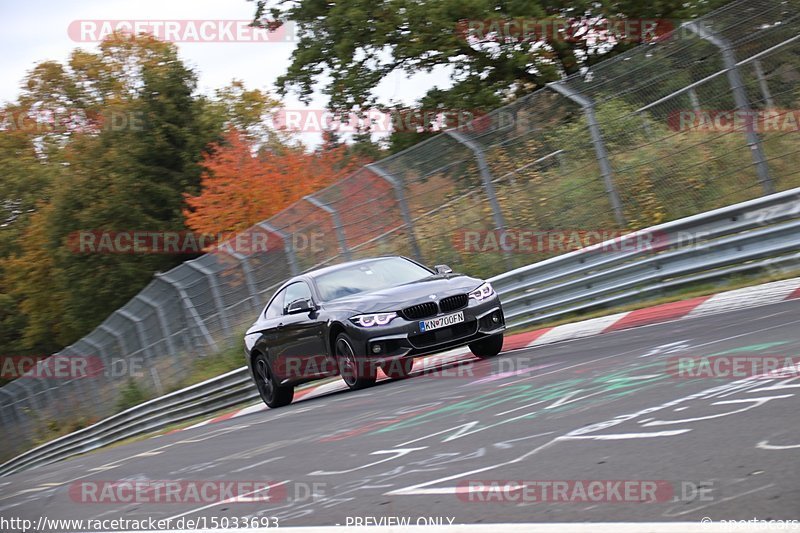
(486,176)
(188,306)
(599,146)
(337,224)
(399,192)
(288,247)
(148,353)
(212,282)
(740,99)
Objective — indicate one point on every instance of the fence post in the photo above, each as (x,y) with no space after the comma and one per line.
(162,323)
(148,354)
(486,176)
(337,224)
(78,383)
(740,99)
(599,146)
(248,274)
(29,395)
(188,306)
(288,247)
(762,84)
(401,199)
(106,360)
(694,100)
(212,282)
(8,408)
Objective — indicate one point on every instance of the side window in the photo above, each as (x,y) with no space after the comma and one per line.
(297,291)
(275,308)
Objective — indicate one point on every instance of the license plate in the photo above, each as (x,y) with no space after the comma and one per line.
(441,321)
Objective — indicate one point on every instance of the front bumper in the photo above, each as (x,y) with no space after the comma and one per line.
(403,338)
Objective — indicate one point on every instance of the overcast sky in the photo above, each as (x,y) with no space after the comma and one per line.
(37,30)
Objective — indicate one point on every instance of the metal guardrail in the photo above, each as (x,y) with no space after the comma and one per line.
(223,391)
(751,235)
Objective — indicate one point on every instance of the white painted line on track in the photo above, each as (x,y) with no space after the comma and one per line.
(229,500)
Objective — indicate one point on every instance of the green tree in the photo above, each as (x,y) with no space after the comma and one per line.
(349,47)
(128,146)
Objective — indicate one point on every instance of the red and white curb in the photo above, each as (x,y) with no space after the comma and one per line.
(768,293)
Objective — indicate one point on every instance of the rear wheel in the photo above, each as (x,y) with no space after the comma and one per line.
(488,347)
(399,368)
(357,372)
(273,394)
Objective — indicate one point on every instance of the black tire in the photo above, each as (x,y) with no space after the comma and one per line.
(357,372)
(488,347)
(272,394)
(399,368)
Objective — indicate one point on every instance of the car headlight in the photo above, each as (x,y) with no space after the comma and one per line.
(374,319)
(482,292)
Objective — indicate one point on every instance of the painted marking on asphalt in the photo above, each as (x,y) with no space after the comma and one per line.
(424,488)
(229,500)
(765,445)
(398,453)
(249,467)
(511,373)
(756,402)
(721,500)
(623,436)
(577,365)
(520,408)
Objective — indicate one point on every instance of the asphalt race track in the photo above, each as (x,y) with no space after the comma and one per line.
(604,408)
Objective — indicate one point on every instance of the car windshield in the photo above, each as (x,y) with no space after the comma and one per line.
(368,276)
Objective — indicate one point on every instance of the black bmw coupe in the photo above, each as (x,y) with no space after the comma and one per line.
(353,318)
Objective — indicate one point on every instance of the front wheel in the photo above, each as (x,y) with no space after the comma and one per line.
(272,393)
(357,372)
(488,347)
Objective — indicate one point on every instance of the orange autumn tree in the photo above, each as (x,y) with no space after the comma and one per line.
(240,189)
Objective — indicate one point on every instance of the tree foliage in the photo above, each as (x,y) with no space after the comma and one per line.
(120,139)
(241,187)
(348,48)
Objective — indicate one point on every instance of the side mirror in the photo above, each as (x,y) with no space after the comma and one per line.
(299,306)
(443,269)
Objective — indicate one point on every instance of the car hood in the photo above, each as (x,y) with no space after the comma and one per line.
(401,296)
